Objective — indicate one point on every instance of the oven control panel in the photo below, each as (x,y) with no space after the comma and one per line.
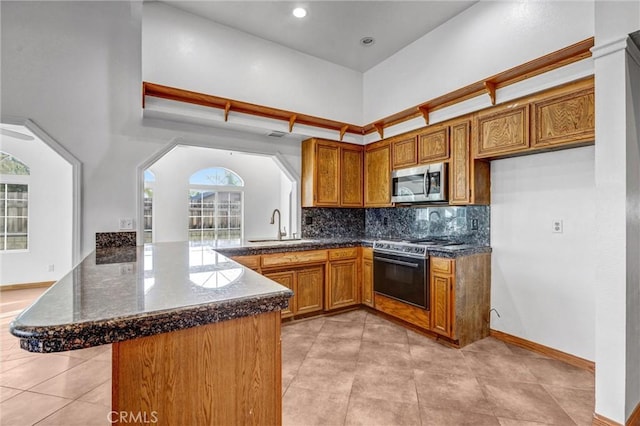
(401,248)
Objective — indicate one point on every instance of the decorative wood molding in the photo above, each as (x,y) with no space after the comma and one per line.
(544,350)
(599,420)
(491,90)
(634,418)
(231,105)
(424,110)
(551,61)
(42,284)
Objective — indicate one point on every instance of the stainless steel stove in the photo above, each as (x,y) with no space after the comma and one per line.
(412,248)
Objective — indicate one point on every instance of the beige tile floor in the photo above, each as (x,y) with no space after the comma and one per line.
(350,369)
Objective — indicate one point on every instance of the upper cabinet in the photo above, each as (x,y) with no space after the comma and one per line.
(377,174)
(331,174)
(564,118)
(433,144)
(404,151)
(469,180)
(502,130)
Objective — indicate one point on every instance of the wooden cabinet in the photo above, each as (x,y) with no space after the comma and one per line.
(377,175)
(460,291)
(286,279)
(251,262)
(563,119)
(442,301)
(404,152)
(367,277)
(331,174)
(342,281)
(469,179)
(502,130)
(351,174)
(433,144)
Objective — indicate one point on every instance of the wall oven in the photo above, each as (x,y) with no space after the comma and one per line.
(427,183)
(401,272)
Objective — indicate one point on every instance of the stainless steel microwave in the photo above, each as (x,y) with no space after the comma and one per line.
(420,184)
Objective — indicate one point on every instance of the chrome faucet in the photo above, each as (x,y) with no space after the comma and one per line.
(280,234)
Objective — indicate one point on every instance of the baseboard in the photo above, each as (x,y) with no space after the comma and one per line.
(42,284)
(599,420)
(544,350)
(634,419)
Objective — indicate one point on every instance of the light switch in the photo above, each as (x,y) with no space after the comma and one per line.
(557,226)
(126,224)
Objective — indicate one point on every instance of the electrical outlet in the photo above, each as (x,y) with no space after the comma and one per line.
(126,224)
(385,221)
(556,226)
(474,224)
(308,220)
(52,268)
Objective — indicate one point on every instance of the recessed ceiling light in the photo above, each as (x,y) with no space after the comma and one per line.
(367,41)
(299,12)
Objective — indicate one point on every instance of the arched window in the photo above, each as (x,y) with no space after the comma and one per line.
(215,207)
(14,200)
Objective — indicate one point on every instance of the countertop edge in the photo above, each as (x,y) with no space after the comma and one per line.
(65,337)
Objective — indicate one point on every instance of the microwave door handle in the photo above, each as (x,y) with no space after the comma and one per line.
(427,183)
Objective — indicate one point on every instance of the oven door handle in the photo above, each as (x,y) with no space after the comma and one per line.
(396,262)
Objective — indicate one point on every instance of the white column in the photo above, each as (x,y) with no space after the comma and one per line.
(617,191)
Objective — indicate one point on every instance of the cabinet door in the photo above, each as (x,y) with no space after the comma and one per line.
(367,282)
(502,132)
(286,279)
(377,176)
(327,179)
(442,297)
(564,119)
(342,288)
(351,177)
(433,145)
(405,153)
(459,172)
(309,286)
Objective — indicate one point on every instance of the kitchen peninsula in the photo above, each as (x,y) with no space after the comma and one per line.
(196,336)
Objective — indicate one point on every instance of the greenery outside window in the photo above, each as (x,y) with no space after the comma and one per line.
(14,204)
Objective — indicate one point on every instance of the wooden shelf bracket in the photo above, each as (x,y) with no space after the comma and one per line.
(292,121)
(424,110)
(491,90)
(379,126)
(227,108)
(343,130)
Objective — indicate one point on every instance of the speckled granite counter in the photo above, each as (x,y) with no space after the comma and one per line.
(155,289)
(447,251)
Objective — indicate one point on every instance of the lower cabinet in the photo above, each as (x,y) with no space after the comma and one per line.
(306,284)
(442,276)
(343,280)
(367,277)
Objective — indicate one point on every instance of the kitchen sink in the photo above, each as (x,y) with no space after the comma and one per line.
(274,240)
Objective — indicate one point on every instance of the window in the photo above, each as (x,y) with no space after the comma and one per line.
(149,179)
(14,204)
(215,208)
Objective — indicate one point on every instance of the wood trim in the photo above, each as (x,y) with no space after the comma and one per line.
(599,420)
(634,418)
(544,350)
(211,101)
(42,284)
(551,61)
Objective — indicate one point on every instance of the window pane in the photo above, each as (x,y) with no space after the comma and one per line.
(16,242)
(16,225)
(16,192)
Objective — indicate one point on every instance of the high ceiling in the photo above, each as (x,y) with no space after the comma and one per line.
(332,30)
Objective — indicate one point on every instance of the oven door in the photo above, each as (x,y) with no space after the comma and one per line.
(402,278)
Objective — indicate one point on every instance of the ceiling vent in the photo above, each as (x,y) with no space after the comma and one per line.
(276,134)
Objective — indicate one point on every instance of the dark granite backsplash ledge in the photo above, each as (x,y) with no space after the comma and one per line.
(468,224)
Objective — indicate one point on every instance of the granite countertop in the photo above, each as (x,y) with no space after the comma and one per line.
(120,294)
(257,248)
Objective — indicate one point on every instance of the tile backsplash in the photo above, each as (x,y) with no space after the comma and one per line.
(465,224)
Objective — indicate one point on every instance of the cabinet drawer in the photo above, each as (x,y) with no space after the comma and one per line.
(367,253)
(251,262)
(293,258)
(503,132)
(343,253)
(441,265)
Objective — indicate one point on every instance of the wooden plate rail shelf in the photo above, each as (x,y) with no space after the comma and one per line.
(551,61)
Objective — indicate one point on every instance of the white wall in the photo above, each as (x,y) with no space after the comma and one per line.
(50,215)
(262,190)
(543,283)
(186,51)
(488,38)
